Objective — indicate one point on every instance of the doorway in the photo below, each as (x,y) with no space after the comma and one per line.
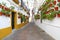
(12,19)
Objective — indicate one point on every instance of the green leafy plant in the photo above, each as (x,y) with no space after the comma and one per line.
(3,11)
(12,7)
(37,16)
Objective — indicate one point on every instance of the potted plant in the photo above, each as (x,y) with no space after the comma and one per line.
(3,12)
(20,15)
(54,2)
(3,5)
(58,15)
(11,7)
(50,5)
(7,13)
(0,13)
(58,0)
(56,8)
(51,16)
(37,16)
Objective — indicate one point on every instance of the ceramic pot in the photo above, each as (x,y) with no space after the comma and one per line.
(58,0)
(0,13)
(56,8)
(50,5)
(54,2)
(58,15)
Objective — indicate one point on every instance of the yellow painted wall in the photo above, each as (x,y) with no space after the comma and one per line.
(4,32)
(20,25)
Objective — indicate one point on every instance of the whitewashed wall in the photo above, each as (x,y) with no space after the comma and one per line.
(5,22)
(51,27)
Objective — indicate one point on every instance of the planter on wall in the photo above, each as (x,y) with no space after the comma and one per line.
(47,12)
(54,2)
(58,15)
(50,5)
(19,16)
(58,0)
(56,8)
(8,15)
(0,13)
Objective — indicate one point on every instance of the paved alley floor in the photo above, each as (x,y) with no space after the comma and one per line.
(29,32)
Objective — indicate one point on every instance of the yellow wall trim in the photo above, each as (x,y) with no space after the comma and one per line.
(5,32)
(20,25)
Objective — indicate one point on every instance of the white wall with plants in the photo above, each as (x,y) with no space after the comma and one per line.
(50,14)
(5,20)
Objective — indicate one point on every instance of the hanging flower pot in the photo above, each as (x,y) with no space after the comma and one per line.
(19,16)
(50,5)
(6,8)
(58,15)
(3,7)
(47,12)
(58,0)
(56,8)
(54,2)
(8,15)
(0,13)
(52,10)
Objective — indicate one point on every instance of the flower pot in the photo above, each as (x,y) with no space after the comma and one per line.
(52,9)
(58,0)
(56,8)
(8,15)
(6,8)
(19,16)
(0,13)
(54,2)
(50,5)
(3,7)
(47,12)
(58,15)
